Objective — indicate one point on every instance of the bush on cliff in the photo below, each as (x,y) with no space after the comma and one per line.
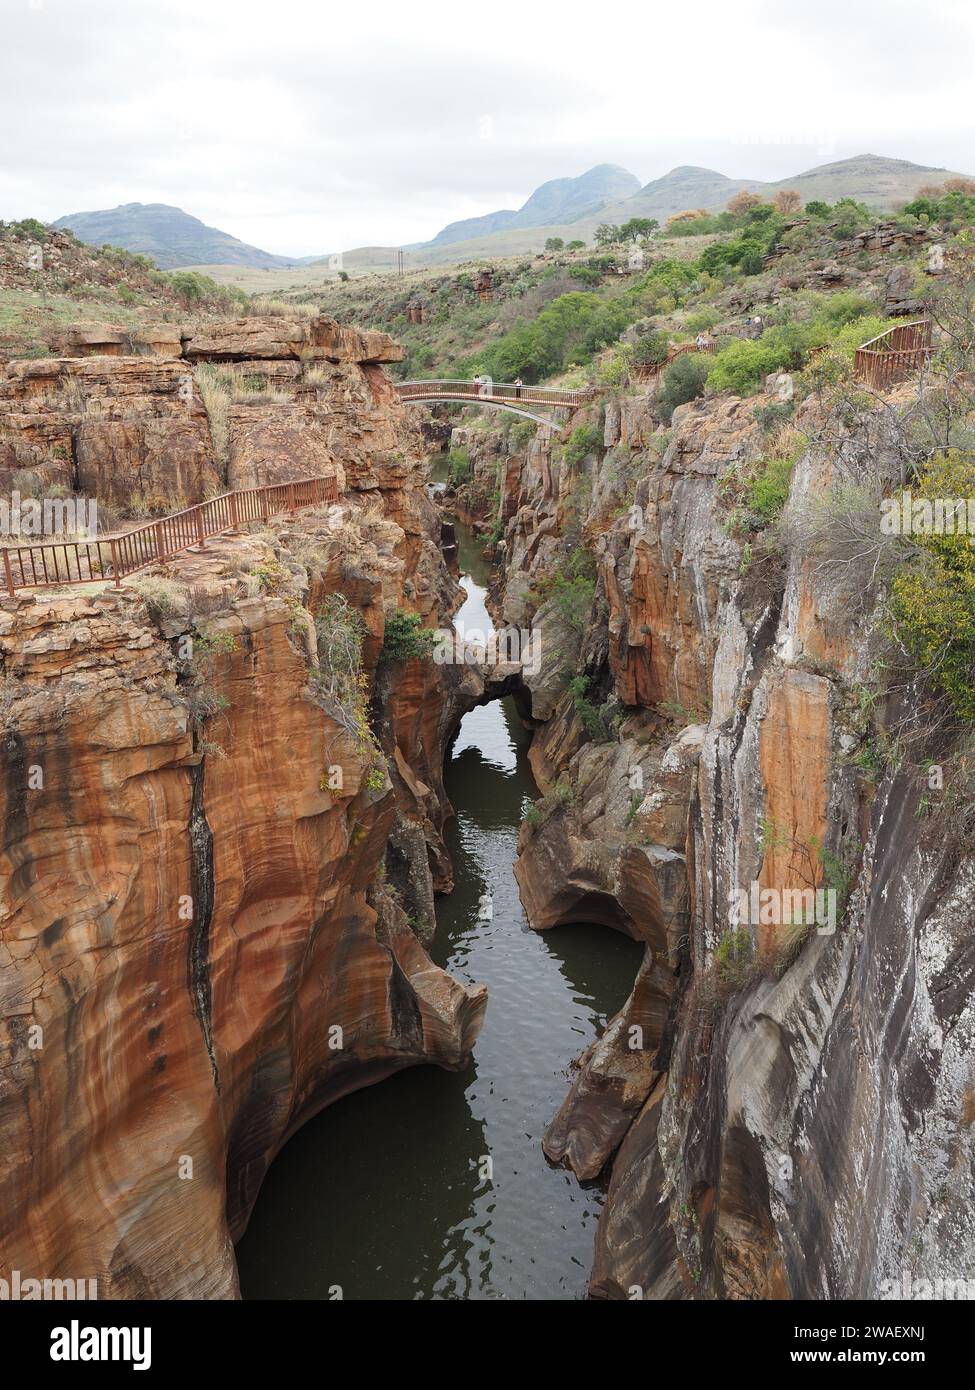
(933,598)
(583,440)
(683,381)
(405,637)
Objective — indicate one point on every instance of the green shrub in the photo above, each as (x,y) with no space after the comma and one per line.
(933,599)
(684,380)
(733,955)
(573,599)
(458,466)
(769,489)
(583,440)
(590,715)
(651,349)
(533,817)
(405,637)
(521,432)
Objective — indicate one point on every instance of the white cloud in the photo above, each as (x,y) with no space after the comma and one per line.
(303,128)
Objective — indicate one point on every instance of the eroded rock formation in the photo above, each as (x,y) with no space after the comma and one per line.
(799,1126)
(199,947)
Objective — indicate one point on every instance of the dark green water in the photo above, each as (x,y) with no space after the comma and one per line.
(383,1193)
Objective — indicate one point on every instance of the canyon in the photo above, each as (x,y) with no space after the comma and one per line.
(207,937)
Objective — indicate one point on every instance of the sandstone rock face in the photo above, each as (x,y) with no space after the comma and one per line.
(198,949)
(125,422)
(113,428)
(104,340)
(738,702)
(258,338)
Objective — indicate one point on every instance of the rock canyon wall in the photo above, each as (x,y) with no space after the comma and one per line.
(779,1113)
(215,882)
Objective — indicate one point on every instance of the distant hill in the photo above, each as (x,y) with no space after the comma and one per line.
(869,178)
(170,236)
(559,200)
(566,208)
(872,179)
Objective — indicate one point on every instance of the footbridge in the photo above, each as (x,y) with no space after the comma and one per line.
(498,395)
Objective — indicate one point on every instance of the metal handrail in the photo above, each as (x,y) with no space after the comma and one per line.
(499,391)
(113,557)
(894,354)
(651,369)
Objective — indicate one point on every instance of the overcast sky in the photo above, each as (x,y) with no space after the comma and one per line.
(306,127)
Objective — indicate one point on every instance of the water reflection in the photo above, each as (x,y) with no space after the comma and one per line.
(385,1193)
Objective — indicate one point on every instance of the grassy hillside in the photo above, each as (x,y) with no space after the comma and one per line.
(49,280)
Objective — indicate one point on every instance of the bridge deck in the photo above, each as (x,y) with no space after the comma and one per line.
(498,392)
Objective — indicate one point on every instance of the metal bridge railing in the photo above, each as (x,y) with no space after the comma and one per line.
(113,557)
(497,391)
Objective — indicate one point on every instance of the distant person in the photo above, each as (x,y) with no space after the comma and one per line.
(518,385)
(701,341)
(477,385)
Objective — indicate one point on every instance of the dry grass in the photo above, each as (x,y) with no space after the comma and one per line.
(163,598)
(217,392)
(269,306)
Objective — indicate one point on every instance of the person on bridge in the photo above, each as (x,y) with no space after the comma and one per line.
(701,342)
(477,385)
(518,385)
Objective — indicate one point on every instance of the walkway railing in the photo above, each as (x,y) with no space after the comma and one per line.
(496,391)
(893,355)
(650,369)
(114,557)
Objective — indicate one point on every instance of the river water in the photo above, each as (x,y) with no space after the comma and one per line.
(385,1193)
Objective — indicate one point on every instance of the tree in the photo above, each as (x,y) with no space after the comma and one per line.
(638,227)
(817,208)
(576,246)
(787,202)
(606,234)
(743,202)
(554,243)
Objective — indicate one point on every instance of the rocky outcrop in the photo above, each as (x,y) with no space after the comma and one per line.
(276,338)
(715,1097)
(215,884)
(118,429)
(192,1017)
(121,421)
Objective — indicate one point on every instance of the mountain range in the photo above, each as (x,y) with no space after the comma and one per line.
(566,207)
(559,200)
(169,235)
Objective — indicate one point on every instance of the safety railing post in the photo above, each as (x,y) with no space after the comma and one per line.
(200,533)
(114,552)
(8,573)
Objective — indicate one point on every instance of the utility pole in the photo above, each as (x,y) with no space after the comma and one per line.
(399,255)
